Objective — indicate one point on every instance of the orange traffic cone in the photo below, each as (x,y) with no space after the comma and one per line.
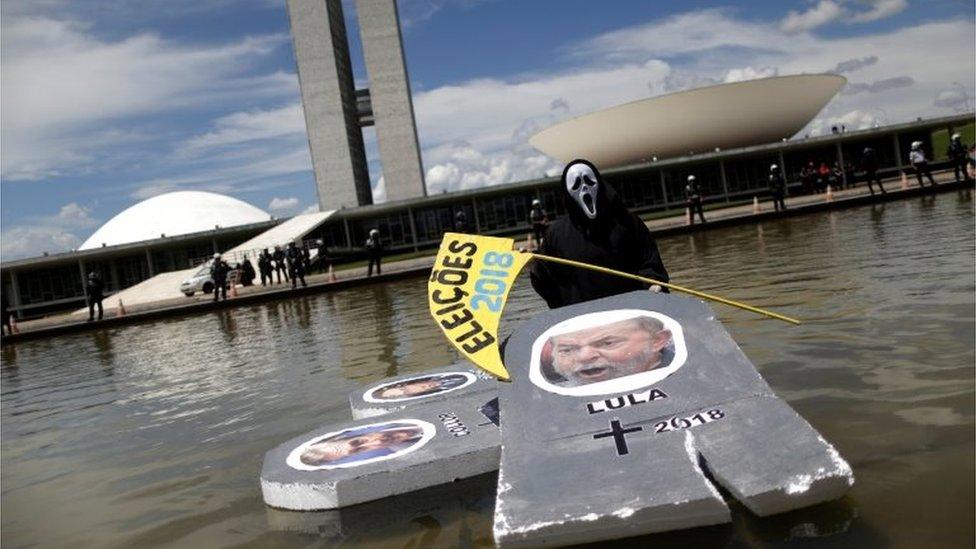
(233,289)
(13,325)
(830,193)
(755,205)
(687,216)
(904,181)
(121,309)
(332,275)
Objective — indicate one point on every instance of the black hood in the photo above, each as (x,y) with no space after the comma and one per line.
(607,201)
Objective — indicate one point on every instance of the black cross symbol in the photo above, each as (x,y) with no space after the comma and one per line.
(618,436)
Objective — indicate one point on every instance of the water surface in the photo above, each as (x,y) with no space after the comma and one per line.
(153,434)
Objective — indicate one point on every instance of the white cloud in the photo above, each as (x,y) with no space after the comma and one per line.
(66,91)
(749,73)
(280,204)
(49,233)
(879,10)
(249,126)
(379,191)
(824,12)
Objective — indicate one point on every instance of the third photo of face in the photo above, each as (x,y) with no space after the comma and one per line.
(360,445)
(419,387)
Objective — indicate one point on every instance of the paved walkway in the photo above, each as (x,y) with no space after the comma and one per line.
(393,270)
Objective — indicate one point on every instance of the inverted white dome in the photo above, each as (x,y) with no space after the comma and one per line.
(171,214)
(725,116)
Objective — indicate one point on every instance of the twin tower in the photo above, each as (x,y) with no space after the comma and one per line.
(336,112)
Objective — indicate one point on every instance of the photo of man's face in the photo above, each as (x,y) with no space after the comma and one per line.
(606,352)
(421,386)
(355,445)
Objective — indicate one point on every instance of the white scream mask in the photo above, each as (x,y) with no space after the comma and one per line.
(583,186)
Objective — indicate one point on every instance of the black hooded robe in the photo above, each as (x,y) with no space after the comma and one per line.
(616,239)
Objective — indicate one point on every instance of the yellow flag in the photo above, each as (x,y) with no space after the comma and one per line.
(467,290)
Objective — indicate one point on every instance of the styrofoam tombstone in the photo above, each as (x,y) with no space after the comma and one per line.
(622,414)
(401,392)
(369,459)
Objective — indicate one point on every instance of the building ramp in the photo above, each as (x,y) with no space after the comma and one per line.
(292,230)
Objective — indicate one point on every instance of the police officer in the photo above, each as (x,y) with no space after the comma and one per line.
(296,265)
(916,157)
(539,220)
(218,272)
(265,268)
(693,199)
(279,263)
(95,289)
(374,249)
(247,272)
(869,163)
(958,155)
(599,230)
(461,222)
(777,187)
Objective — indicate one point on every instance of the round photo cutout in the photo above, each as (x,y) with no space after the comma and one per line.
(361,445)
(419,387)
(607,352)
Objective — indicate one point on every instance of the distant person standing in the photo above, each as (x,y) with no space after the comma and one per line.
(539,220)
(869,163)
(807,176)
(374,249)
(7,327)
(296,265)
(279,263)
(219,270)
(461,221)
(693,199)
(919,163)
(265,268)
(777,187)
(823,177)
(306,258)
(95,290)
(958,153)
(247,272)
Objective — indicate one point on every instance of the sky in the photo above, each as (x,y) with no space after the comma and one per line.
(104,103)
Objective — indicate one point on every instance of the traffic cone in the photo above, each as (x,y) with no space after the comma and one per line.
(755,205)
(332,275)
(121,309)
(13,325)
(687,216)
(233,289)
(830,193)
(904,181)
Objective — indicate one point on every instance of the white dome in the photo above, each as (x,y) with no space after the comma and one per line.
(172,214)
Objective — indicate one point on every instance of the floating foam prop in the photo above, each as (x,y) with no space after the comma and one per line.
(398,393)
(374,458)
(626,414)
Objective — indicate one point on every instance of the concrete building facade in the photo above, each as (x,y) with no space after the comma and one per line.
(335,112)
(329,98)
(389,90)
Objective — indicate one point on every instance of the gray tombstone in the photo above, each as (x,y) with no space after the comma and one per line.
(624,413)
(374,458)
(401,392)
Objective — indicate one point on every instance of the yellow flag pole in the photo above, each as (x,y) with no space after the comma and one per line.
(674,287)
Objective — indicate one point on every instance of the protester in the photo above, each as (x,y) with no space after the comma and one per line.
(306,258)
(807,176)
(919,163)
(777,187)
(374,249)
(599,230)
(296,265)
(693,199)
(823,177)
(94,291)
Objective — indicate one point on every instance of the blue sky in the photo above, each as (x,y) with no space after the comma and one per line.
(107,102)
